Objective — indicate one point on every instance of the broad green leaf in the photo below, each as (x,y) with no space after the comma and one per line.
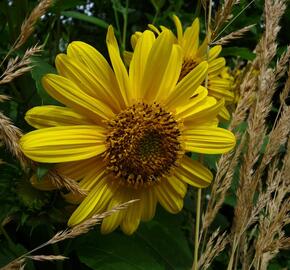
(40,68)
(242,52)
(157,245)
(86,18)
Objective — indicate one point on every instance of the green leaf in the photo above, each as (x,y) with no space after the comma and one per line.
(86,18)
(40,68)
(158,4)
(242,52)
(158,244)
(42,170)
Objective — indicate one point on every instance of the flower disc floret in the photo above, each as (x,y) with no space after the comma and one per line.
(143,143)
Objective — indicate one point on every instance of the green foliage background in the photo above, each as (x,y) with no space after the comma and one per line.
(165,242)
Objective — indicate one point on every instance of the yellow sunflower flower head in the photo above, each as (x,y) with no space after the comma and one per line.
(218,85)
(123,134)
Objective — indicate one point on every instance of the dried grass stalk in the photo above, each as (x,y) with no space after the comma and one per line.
(275,217)
(281,66)
(234,35)
(216,244)
(223,14)
(46,257)
(27,26)
(17,264)
(18,66)
(61,181)
(87,225)
(10,136)
(4,98)
(286,89)
(228,162)
(256,131)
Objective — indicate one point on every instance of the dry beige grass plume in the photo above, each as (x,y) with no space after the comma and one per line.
(27,26)
(61,181)
(234,35)
(216,244)
(223,14)
(4,98)
(18,66)
(10,135)
(257,87)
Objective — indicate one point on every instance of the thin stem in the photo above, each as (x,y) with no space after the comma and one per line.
(234,248)
(117,21)
(155,16)
(196,236)
(197,10)
(125,17)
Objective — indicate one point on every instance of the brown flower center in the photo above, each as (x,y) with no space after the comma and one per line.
(142,144)
(187,66)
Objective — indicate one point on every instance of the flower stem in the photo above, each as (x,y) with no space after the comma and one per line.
(196,236)
(125,18)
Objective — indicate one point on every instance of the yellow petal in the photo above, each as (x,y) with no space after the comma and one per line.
(119,67)
(178,28)
(97,65)
(224,113)
(168,197)
(72,96)
(85,80)
(186,110)
(216,66)
(138,63)
(214,52)
(148,202)
(63,144)
(180,187)
(78,169)
(156,65)
(207,112)
(96,201)
(209,140)
(73,198)
(134,39)
(111,222)
(52,116)
(171,74)
(204,105)
(187,86)
(93,176)
(190,39)
(193,173)
(132,215)
(220,88)
(44,184)
(154,29)
(127,57)
(202,50)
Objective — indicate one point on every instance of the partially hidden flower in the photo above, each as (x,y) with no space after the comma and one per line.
(123,135)
(219,81)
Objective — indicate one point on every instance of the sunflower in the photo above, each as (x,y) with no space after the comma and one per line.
(220,82)
(123,134)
